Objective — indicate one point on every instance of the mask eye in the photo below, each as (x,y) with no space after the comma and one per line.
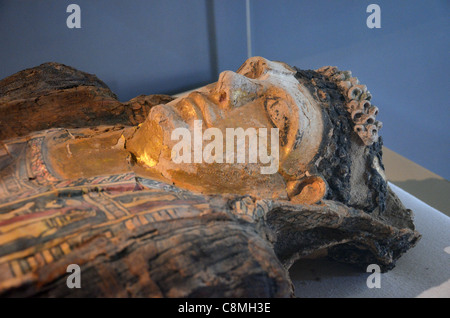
(235,90)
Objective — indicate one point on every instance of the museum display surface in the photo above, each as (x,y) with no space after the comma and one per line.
(88,180)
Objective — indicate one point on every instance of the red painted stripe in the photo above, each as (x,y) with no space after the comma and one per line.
(44,213)
(153,204)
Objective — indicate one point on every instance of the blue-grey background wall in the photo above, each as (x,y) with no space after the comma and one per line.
(167,46)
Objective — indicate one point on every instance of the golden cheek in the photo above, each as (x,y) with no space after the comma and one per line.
(187,110)
(241,97)
(146,144)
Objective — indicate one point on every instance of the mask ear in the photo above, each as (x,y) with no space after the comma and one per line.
(308,190)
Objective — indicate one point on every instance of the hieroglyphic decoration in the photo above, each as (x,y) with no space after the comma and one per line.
(42,219)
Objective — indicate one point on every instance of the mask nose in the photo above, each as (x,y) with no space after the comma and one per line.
(236,90)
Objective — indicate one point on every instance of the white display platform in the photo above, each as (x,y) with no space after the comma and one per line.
(424,271)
